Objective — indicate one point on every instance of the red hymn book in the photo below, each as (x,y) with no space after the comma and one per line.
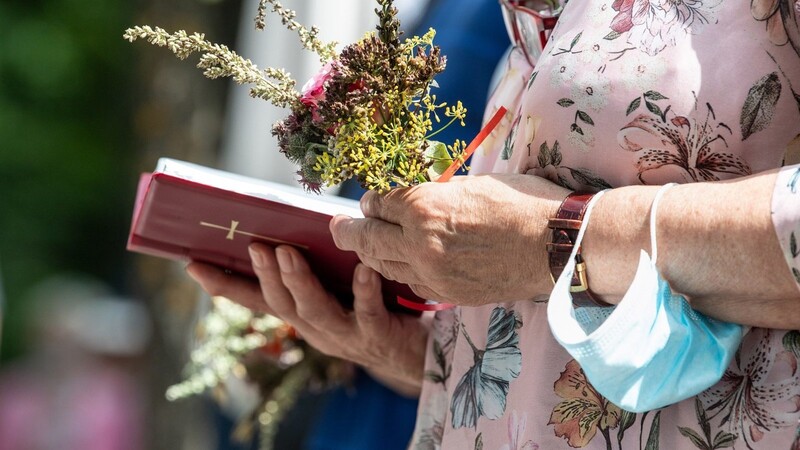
(184,211)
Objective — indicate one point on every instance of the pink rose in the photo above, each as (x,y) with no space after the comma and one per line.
(313,91)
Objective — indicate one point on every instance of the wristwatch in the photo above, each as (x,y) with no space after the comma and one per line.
(565,226)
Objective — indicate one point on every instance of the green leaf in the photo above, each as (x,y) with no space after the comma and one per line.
(479,441)
(556,158)
(626,420)
(791,342)
(544,159)
(589,178)
(612,35)
(575,41)
(793,245)
(655,430)
(508,145)
(634,105)
(759,107)
(565,102)
(654,95)
(433,376)
(532,79)
(723,439)
(438,354)
(574,127)
(700,412)
(439,156)
(694,437)
(585,117)
(664,114)
(653,108)
(563,182)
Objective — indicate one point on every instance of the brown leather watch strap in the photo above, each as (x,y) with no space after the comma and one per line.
(566,225)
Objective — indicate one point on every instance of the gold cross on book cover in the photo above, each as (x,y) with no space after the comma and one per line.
(232,230)
(187,212)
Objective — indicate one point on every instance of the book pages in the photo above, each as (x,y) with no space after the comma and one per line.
(276,192)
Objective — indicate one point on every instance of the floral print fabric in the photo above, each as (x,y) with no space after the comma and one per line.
(630,92)
(786,216)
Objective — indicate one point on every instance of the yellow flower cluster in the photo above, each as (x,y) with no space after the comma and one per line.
(388,143)
(377,118)
(390,153)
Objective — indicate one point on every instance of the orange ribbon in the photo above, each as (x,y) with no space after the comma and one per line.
(482,135)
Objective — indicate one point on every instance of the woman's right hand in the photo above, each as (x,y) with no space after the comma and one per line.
(392,345)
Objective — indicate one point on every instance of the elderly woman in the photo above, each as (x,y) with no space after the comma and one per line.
(628,95)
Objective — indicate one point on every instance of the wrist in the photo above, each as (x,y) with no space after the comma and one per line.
(542,281)
(564,249)
(618,230)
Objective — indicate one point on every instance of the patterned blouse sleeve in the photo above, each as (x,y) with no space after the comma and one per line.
(786,216)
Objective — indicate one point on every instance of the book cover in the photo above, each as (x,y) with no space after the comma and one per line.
(188,212)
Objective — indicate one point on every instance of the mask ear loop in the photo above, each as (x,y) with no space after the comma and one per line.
(653,210)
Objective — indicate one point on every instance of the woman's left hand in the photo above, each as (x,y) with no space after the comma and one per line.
(470,241)
(389,345)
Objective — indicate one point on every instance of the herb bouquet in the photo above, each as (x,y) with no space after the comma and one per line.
(368,114)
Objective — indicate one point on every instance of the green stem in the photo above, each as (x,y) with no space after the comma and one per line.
(314,145)
(441,129)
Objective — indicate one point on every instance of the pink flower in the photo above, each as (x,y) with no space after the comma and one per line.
(653,25)
(623,21)
(691,147)
(313,91)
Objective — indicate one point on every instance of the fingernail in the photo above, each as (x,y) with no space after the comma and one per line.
(363,274)
(284,260)
(331,227)
(366,203)
(256,257)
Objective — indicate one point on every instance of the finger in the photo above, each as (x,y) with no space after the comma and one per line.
(371,237)
(371,314)
(273,291)
(391,270)
(391,207)
(216,282)
(313,303)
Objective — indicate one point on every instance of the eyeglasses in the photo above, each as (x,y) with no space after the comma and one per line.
(529,23)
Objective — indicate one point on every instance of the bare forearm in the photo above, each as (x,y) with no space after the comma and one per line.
(716,245)
(481,239)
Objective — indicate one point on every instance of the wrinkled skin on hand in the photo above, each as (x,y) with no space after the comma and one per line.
(470,241)
(390,345)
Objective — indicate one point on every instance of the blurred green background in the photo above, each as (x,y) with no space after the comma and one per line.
(66,149)
(82,113)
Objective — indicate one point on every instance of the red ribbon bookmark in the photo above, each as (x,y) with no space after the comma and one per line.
(482,135)
(445,176)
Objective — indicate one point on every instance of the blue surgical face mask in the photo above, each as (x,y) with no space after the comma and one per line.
(652,349)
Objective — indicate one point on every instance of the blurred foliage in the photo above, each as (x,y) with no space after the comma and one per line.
(65,152)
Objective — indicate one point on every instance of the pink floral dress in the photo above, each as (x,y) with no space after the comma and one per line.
(630,92)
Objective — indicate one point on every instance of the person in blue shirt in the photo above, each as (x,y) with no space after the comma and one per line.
(369,415)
